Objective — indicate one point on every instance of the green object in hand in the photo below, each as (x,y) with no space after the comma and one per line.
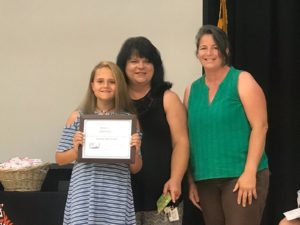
(163,201)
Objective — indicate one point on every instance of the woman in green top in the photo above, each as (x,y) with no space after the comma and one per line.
(227,118)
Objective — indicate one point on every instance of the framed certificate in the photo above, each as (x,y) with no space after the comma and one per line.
(107,138)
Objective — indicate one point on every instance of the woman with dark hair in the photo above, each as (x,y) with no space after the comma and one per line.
(143,48)
(227,120)
(162,119)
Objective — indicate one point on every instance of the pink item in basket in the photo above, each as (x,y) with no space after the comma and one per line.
(20,163)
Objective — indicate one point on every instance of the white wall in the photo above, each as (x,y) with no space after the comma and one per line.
(48,49)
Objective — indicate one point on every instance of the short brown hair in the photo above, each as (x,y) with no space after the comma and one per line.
(220,39)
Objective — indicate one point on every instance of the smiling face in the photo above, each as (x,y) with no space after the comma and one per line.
(139,71)
(104,84)
(208,53)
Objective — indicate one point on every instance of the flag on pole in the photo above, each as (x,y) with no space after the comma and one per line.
(223,22)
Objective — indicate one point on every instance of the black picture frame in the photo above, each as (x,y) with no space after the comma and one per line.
(111,125)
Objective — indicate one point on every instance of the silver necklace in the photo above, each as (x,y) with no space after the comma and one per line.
(104,112)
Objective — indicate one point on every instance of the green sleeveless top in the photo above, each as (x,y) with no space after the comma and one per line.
(219,131)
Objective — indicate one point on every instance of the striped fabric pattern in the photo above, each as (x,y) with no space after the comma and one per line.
(99,194)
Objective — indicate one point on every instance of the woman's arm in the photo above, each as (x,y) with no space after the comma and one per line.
(254,103)
(193,192)
(176,117)
(186,96)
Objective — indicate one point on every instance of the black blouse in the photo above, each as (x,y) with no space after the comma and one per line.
(156,151)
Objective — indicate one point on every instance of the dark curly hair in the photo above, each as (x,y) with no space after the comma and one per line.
(142,47)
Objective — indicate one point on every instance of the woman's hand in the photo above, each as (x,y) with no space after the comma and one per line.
(193,194)
(174,188)
(246,187)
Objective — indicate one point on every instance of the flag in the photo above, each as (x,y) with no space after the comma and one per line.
(223,22)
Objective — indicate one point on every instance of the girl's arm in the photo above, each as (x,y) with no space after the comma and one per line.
(70,155)
(136,142)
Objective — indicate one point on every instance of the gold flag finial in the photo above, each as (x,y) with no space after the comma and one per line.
(223,22)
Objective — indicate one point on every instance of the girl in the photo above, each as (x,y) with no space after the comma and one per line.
(99,193)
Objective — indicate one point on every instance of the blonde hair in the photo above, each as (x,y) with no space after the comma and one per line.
(122,101)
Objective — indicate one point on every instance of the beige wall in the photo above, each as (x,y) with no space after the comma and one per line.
(48,48)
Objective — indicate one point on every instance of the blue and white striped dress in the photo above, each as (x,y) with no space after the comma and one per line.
(99,194)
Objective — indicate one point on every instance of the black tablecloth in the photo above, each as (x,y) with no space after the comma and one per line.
(34,208)
(45,207)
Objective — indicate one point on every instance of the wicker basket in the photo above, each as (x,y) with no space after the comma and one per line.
(27,179)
